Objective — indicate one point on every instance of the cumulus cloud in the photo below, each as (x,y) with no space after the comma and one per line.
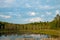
(48,13)
(37,19)
(5,16)
(57,11)
(32,13)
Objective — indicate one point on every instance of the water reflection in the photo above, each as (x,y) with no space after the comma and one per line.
(23,37)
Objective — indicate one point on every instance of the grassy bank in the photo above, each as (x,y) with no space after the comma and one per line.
(51,32)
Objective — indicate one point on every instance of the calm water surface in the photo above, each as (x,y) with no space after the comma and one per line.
(16,37)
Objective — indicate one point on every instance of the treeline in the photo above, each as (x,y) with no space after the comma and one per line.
(55,24)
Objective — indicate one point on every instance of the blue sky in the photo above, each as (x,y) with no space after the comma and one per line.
(26,11)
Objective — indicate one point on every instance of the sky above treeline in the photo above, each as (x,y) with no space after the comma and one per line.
(26,11)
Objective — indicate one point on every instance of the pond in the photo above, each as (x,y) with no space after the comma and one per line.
(23,37)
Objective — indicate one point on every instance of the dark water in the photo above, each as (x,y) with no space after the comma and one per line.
(19,37)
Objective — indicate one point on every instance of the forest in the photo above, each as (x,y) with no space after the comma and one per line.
(50,28)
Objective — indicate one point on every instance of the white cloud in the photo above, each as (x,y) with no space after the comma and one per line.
(6,3)
(15,14)
(32,13)
(37,19)
(5,16)
(57,11)
(45,7)
(9,1)
(48,13)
